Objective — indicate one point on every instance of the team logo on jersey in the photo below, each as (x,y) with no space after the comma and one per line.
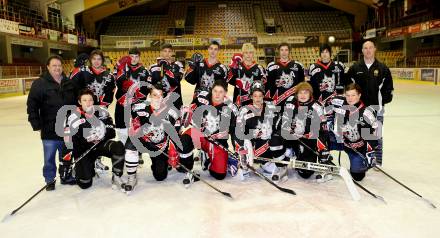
(300,127)
(328,84)
(247,82)
(285,80)
(211,123)
(96,133)
(96,88)
(351,132)
(207,80)
(166,84)
(263,130)
(155,134)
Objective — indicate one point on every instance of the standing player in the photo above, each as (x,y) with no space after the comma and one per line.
(282,76)
(304,123)
(96,78)
(243,72)
(90,125)
(203,73)
(359,127)
(214,117)
(130,73)
(257,120)
(169,73)
(326,78)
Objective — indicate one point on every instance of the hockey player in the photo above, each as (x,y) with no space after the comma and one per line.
(360,130)
(282,76)
(129,73)
(213,118)
(88,126)
(203,73)
(96,78)
(304,127)
(257,120)
(243,71)
(154,127)
(326,75)
(168,72)
(326,78)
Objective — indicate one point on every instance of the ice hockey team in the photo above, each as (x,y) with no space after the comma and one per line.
(275,116)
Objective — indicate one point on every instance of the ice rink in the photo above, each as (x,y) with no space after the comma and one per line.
(167,209)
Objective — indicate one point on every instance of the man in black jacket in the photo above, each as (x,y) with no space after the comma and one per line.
(47,95)
(376,83)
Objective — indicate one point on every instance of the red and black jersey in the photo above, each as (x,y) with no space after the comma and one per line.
(258,124)
(157,127)
(358,126)
(242,79)
(86,129)
(216,121)
(100,81)
(281,78)
(324,79)
(203,75)
(305,121)
(128,76)
(170,74)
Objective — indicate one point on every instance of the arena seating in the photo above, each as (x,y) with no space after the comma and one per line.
(390,58)
(232,20)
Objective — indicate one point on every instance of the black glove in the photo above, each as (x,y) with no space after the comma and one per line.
(81,60)
(65,170)
(197,58)
(161,62)
(325,157)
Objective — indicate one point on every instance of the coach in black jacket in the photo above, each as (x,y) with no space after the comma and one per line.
(47,95)
(376,83)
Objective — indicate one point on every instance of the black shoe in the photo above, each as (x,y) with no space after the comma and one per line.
(50,186)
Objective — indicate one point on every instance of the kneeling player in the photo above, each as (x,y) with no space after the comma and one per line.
(91,125)
(359,127)
(216,116)
(257,121)
(154,129)
(304,125)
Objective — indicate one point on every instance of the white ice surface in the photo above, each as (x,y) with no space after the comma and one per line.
(167,209)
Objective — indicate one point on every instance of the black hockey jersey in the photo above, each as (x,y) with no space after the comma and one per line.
(216,121)
(88,129)
(157,127)
(100,81)
(242,79)
(128,76)
(170,75)
(258,125)
(358,126)
(203,75)
(281,78)
(305,120)
(324,78)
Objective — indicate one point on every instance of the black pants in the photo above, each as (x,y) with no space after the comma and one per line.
(159,158)
(85,168)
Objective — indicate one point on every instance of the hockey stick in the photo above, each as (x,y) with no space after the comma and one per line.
(394,179)
(205,182)
(354,181)
(202,180)
(323,168)
(44,187)
(286,190)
